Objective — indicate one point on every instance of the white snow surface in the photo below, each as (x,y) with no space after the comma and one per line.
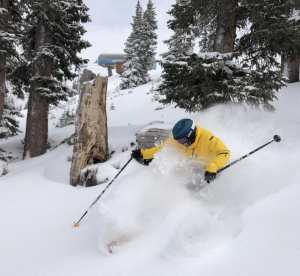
(159,219)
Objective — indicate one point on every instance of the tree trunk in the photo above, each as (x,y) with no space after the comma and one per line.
(226,27)
(2,82)
(3,28)
(283,65)
(36,137)
(293,69)
(109,70)
(91,145)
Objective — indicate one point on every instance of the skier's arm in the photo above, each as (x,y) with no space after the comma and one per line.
(221,153)
(148,154)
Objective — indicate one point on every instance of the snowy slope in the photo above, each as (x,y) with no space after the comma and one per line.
(154,219)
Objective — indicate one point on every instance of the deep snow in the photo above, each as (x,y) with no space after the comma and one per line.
(155,219)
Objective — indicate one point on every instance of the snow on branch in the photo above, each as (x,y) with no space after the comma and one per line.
(3,10)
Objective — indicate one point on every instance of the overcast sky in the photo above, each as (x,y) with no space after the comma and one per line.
(110,24)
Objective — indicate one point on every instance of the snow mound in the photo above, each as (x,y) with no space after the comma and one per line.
(105,172)
(3,168)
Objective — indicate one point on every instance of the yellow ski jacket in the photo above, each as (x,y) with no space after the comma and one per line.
(209,149)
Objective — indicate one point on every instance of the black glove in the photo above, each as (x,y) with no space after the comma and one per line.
(209,176)
(147,161)
(136,154)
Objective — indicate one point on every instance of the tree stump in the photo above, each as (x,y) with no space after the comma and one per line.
(91,145)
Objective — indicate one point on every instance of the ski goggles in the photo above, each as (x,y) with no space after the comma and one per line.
(183,141)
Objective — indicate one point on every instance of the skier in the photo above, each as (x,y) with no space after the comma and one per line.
(193,141)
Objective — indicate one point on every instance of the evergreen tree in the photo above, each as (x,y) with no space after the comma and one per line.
(181,43)
(135,71)
(230,70)
(9,125)
(52,40)
(273,32)
(150,34)
(10,25)
(207,79)
(291,62)
(180,48)
(9,28)
(188,79)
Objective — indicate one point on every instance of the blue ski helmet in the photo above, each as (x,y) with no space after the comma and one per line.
(183,128)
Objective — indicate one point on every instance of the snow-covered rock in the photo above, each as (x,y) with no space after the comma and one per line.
(3,168)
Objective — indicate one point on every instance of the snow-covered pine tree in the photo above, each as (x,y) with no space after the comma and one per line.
(222,73)
(190,81)
(135,71)
(150,34)
(180,47)
(5,42)
(274,31)
(9,28)
(9,125)
(52,40)
(181,43)
(292,61)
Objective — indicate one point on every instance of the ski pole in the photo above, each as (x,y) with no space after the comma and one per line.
(276,138)
(77,224)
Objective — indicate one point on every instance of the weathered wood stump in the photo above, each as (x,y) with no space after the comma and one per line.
(91,145)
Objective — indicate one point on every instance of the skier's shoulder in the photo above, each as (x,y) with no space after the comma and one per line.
(204,132)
